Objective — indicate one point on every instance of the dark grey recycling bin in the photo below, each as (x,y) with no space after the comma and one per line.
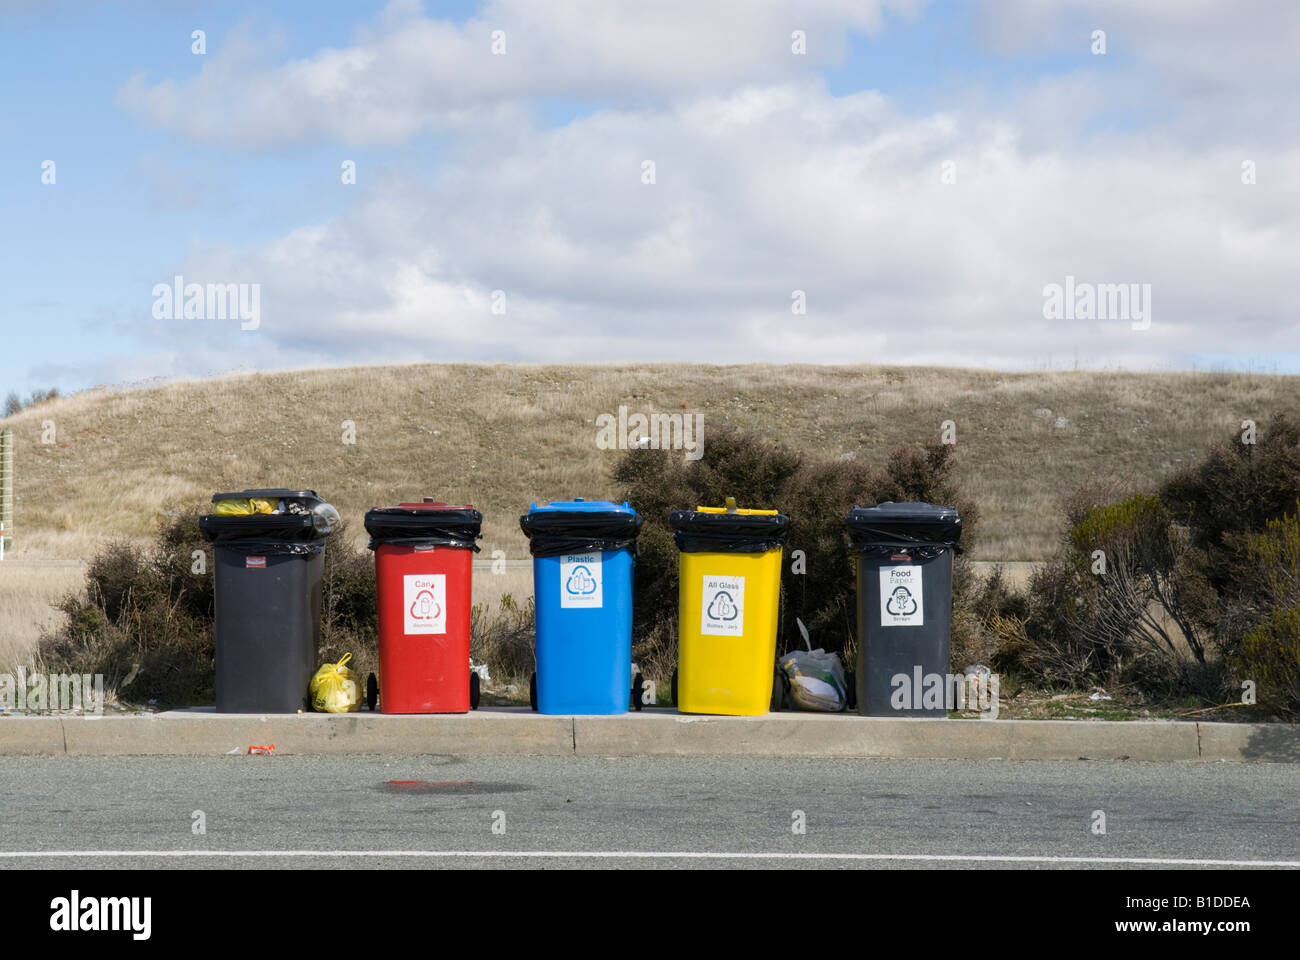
(268,570)
(905,553)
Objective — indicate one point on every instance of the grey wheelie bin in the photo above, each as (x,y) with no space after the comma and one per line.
(269,555)
(904,559)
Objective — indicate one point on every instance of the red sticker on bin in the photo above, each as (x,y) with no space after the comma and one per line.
(255,563)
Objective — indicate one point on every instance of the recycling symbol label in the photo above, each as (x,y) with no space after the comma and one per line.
(424,603)
(901,599)
(722,606)
(581,580)
(901,603)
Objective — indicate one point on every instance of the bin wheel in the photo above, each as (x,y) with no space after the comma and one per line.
(532,690)
(638,688)
(473,690)
(779,682)
(851,689)
(673,692)
(372,692)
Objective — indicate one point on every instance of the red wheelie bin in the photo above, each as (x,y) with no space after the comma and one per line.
(424,555)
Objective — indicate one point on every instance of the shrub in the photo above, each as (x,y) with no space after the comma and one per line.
(989,627)
(143,615)
(1237,489)
(349,608)
(1135,560)
(504,641)
(1269,650)
(1172,613)
(1119,604)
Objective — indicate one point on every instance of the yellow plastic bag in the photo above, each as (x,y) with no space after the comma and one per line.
(334,688)
(243,508)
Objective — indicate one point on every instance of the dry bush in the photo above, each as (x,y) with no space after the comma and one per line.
(141,611)
(349,605)
(1267,651)
(504,639)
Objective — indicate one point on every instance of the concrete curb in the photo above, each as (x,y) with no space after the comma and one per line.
(653,732)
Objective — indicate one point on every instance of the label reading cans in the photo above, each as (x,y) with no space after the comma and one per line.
(581,581)
(901,603)
(722,612)
(255,563)
(425,603)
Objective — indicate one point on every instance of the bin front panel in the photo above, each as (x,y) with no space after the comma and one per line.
(904,633)
(584,632)
(267,625)
(423,596)
(726,635)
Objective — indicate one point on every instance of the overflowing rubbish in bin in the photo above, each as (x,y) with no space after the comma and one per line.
(424,556)
(584,554)
(268,551)
(728,598)
(904,579)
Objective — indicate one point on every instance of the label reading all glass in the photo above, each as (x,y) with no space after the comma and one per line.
(722,610)
(425,603)
(901,602)
(581,581)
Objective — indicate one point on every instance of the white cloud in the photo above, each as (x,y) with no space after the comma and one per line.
(768,191)
(408,73)
(765,184)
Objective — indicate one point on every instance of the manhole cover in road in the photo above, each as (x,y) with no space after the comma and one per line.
(448,786)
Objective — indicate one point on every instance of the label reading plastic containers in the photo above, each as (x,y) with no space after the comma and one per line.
(424,603)
(581,581)
(722,608)
(901,601)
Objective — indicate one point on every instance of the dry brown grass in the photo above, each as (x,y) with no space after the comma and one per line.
(501,436)
(27,594)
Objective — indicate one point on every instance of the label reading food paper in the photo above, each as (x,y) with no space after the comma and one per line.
(901,602)
(581,581)
(424,603)
(722,609)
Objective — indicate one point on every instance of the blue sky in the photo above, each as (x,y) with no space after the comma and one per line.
(522,174)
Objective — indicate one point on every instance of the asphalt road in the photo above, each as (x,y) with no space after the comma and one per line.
(307,812)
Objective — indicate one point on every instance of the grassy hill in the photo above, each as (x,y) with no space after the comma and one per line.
(501,436)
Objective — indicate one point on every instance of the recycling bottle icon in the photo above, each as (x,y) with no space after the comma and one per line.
(723,607)
(901,603)
(581,583)
(425,607)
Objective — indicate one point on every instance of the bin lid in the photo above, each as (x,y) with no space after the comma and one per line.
(321,519)
(271,493)
(579,526)
(261,526)
(428,523)
(904,523)
(579,505)
(430,504)
(728,529)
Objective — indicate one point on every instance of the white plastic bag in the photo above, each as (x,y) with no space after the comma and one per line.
(816,680)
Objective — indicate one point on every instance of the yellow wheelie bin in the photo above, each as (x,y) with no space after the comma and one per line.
(729,589)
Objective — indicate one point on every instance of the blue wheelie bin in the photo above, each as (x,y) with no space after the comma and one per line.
(583,556)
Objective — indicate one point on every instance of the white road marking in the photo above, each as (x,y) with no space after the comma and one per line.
(647,855)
